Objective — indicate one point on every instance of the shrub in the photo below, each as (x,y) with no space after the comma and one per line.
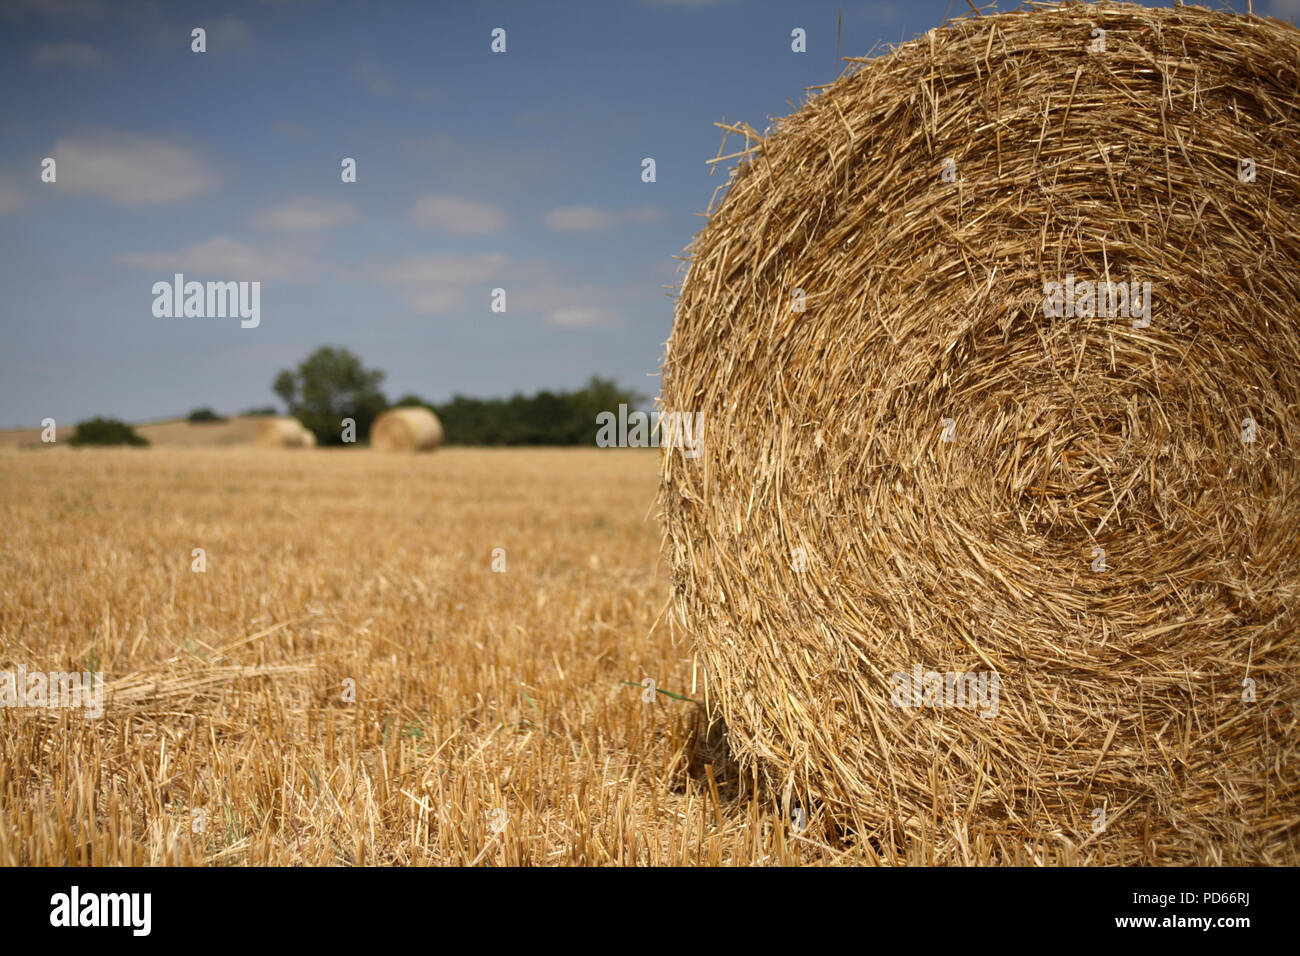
(106,431)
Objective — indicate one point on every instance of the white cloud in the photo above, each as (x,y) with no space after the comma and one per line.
(448,283)
(225,258)
(131,171)
(571,306)
(580,317)
(447,268)
(596,219)
(579,219)
(436,283)
(306,214)
(11,197)
(77,56)
(460,217)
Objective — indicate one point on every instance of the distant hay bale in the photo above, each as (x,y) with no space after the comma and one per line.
(283,433)
(406,429)
(940,448)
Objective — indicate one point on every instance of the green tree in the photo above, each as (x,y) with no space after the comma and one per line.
(599,395)
(202,415)
(328,386)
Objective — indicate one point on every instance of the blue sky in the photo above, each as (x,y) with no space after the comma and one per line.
(475,171)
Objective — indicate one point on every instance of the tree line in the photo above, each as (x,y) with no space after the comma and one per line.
(332,384)
(546,418)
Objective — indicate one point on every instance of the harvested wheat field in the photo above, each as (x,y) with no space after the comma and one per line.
(226,737)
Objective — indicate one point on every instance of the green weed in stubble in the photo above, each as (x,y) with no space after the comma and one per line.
(668,693)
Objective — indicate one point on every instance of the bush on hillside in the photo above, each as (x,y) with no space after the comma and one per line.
(106,431)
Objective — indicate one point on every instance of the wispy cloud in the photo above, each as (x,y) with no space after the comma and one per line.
(306,214)
(75,56)
(130,171)
(448,283)
(448,268)
(439,283)
(597,219)
(571,306)
(458,216)
(580,317)
(226,258)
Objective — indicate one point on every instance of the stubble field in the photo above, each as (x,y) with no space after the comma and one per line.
(491,721)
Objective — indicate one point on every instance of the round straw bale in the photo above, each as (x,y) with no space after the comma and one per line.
(283,433)
(933,455)
(406,429)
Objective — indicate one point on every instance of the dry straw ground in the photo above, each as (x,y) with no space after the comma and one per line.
(475,690)
(847,304)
